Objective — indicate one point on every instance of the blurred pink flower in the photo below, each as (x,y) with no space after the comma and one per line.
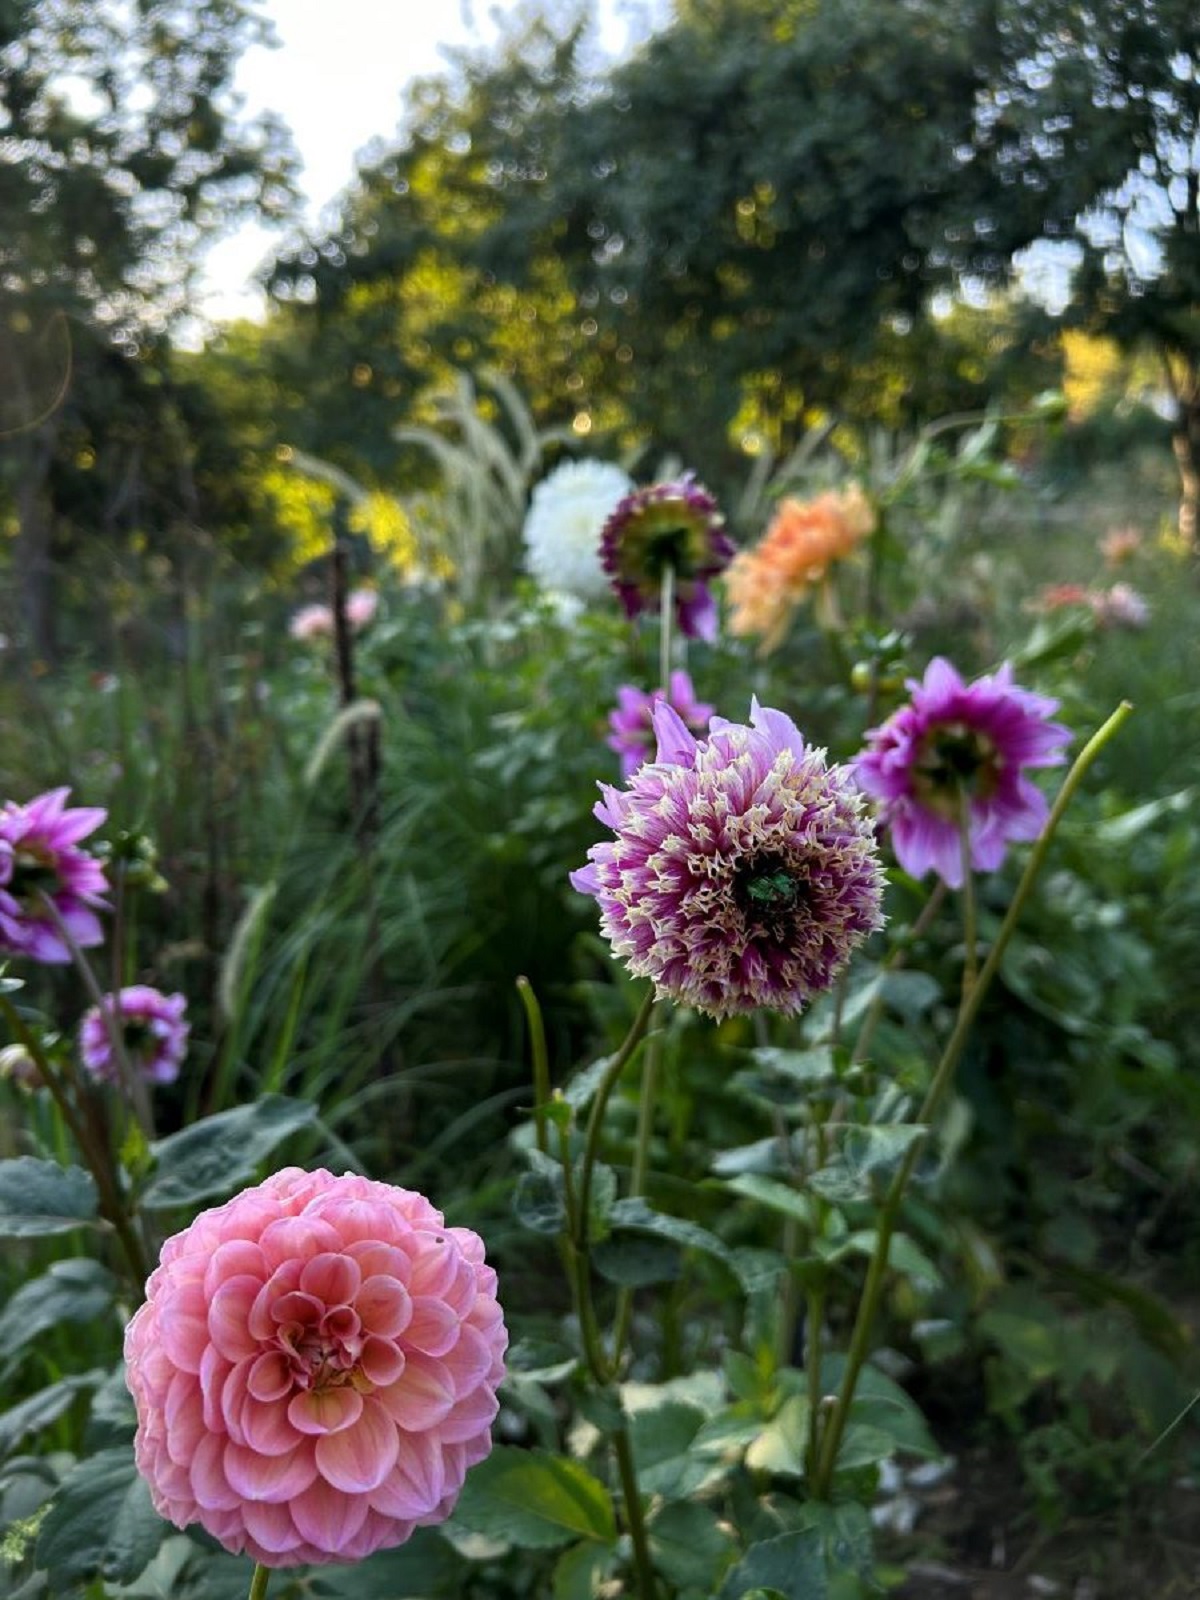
(956,743)
(1119,545)
(1057,596)
(311,622)
(1120,607)
(315,1368)
(39,855)
(361,606)
(632,719)
(152,1030)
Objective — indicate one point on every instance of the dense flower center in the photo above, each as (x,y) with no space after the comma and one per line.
(955,759)
(767,892)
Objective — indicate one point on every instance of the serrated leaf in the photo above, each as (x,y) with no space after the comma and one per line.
(792,1565)
(809,1069)
(68,1291)
(535,1500)
(636,1216)
(43,1408)
(219,1153)
(40,1197)
(662,1439)
(637,1260)
(102,1523)
(781,1197)
(538,1203)
(688,1545)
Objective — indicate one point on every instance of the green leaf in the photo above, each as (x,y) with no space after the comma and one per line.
(911,994)
(793,1565)
(866,1156)
(636,1216)
(43,1408)
(810,1069)
(537,1200)
(781,1444)
(535,1500)
(688,1545)
(68,1291)
(220,1153)
(636,1260)
(781,1197)
(425,1565)
(580,1571)
(40,1197)
(662,1439)
(101,1524)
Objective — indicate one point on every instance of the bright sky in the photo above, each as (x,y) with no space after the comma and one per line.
(337,81)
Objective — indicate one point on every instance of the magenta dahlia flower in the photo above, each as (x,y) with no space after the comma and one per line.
(675,525)
(40,855)
(632,721)
(151,1028)
(956,743)
(743,872)
(315,1368)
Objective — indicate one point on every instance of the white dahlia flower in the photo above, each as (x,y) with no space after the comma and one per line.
(562,530)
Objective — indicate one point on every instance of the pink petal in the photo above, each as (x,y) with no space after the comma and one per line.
(383,1304)
(271,1376)
(183,1326)
(297,1239)
(265,1427)
(381,1362)
(325,1411)
(422,1397)
(327,1518)
(234,1259)
(229,1317)
(469,1417)
(334,1279)
(270,1526)
(206,1472)
(359,1458)
(271,1478)
(434,1326)
(470,1361)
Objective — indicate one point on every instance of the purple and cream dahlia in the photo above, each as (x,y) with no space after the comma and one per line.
(957,745)
(632,718)
(40,860)
(152,1031)
(743,872)
(676,525)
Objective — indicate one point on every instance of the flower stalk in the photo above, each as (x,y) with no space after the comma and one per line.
(972,1000)
(258,1583)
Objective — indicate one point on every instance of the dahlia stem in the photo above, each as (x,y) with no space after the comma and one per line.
(541,1062)
(970,929)
(595,1122)
(133,1086)
(665,618)
(943,1077)
(637,1180)
(631,1495)
(97,1158)
(893,963)
(258,1583)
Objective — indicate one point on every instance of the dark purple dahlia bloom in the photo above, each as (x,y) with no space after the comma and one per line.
(957,744)
(40,856)
(743,872)
(151,1028)
(676,525)
(632,718)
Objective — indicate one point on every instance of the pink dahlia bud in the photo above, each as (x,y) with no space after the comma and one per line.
(315,1368)
(40,859)
(632,719)
(676,525)
(361,606)
(957,746)
(743,872)
(150,1026)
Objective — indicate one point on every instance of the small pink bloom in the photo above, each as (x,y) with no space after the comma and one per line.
(361,606)
(40,856)
(315,1368)
(150,1026)
(311,622)
(1120,545)
(632,719)
(1120,607)
(1058,596)
(956,744)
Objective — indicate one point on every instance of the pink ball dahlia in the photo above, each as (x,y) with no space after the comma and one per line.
(632,722)
(311,622)
(40,855)
(152,1030)
(675,525)
(315,1368)
(743,872)
(956,743)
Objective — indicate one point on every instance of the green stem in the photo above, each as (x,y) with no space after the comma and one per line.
(258,1583)
(97,1158)
(666,617)
(637,1179)
(633,1513)
(972,1000)
(541,1061)
(970,929)
(893,963)
(595,1122)
(815,1316)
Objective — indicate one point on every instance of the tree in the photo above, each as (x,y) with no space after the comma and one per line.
(122,152)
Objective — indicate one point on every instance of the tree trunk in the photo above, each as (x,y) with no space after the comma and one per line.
(1185,441)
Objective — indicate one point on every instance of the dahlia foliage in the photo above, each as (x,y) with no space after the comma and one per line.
(764,585)
(566,517)
(957,756)
(631,721)
(743,872)
(150,1027)
(40,860)
(315,1368)
(676,525)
